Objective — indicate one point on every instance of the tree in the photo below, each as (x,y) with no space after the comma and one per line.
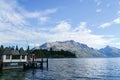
(12,47)
(51,49)
(28,49)
(16,47)
(2,47)
(22,50)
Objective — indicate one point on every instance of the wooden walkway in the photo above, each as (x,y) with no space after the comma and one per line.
(36,63)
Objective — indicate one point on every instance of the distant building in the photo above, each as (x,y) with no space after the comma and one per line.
(12,58)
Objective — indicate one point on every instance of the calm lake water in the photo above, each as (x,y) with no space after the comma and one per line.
(70,69)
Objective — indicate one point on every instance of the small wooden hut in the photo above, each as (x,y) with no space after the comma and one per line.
(11,58)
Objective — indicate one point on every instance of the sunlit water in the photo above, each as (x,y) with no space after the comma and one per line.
(70,69)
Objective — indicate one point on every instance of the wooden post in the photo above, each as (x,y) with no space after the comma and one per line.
(42,63)
(1,65)
(24,66)
(32,57)
(47,63)
(33,63)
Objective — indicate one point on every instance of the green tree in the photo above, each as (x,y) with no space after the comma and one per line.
(28,49)
(51,49)
(1,49)
(53,54)
(16,47)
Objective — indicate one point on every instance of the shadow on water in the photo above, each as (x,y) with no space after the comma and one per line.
(12,75)
(20,74)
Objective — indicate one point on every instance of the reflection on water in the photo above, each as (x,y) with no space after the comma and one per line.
(12,75)
(70,69)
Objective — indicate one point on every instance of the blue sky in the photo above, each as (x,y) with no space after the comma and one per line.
(34,22)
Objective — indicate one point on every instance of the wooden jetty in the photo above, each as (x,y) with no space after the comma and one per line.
(38,63)
(12,59)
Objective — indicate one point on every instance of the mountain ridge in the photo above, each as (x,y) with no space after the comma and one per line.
(110,51)
(80,49)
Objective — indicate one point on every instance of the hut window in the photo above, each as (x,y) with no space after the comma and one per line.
(23,57)
(16,57)
(7,56)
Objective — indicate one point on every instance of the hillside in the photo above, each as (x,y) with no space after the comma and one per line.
(110,51)
(81,50)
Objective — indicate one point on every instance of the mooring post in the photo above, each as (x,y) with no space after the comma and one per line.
(42,62)
(1,65)
(33,65)
(47,62)
(24,66)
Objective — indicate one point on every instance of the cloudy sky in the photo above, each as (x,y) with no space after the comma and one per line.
(34,22)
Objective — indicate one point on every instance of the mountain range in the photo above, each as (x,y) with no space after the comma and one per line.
(80,50)
(110,51)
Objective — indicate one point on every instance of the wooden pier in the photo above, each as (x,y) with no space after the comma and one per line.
(34,62)
(12,59)
(38,63)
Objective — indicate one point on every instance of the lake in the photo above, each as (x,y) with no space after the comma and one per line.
(70,69)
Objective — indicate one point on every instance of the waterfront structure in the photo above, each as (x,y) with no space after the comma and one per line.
(12,58)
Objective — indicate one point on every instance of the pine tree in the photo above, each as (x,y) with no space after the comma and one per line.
(16,47)
(28,49)
(2,47)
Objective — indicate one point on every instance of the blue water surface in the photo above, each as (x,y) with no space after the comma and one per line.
(70,69)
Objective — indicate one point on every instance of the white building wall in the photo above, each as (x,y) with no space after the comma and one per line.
(14,60)
(6,60)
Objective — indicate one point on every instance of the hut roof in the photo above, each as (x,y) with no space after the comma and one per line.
(22,52)
(10,51)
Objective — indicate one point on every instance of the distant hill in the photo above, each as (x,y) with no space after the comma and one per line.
(110,51)
(81,50)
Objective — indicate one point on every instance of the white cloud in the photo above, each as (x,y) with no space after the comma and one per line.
(31,14)
(8,13)
(118,2)
(80,34)
(41,16)
(98,10)
(62,26)
(49,11)
(42,20)
(118,13)
(117,20)
(108,24)
(11,32)
(105,25)
(82,27)
(117,44)
(98,2)
(14,25)
(14,28)
(38,14)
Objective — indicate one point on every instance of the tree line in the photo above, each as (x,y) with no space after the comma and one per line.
(40,53)
(53,54)
(2,48)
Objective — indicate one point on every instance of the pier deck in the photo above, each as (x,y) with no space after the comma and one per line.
(37,63)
